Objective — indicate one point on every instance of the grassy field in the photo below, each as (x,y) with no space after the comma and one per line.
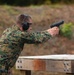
(43,17)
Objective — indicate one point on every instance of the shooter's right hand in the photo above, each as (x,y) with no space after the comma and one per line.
(53,31)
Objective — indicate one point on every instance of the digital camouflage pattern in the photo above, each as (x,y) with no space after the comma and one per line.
(13,40)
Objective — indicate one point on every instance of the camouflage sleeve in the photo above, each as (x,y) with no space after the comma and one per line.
(37,37)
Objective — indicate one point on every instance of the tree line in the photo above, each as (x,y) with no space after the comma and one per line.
(33,2)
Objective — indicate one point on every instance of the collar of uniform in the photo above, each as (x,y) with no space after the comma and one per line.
(15,27)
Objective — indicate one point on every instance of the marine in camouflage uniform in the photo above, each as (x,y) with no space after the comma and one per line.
(13,40)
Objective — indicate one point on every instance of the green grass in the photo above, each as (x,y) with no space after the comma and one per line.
(11,10)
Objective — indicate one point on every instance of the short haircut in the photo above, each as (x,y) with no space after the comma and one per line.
(23,18)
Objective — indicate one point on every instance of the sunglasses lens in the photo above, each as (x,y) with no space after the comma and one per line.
(30,23)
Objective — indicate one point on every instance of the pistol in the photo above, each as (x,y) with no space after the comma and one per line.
(57,24)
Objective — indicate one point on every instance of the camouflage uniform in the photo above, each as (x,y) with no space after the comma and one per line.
(13,40)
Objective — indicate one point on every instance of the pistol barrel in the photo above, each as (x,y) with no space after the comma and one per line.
(57,24)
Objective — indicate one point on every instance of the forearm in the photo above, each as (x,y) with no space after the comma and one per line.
(38,37)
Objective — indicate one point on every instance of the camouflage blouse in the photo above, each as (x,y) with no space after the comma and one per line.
(13,40)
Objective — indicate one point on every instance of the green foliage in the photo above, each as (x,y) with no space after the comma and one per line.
(55,1)
(47,2)
(66,30)
(34,2)
(62,1)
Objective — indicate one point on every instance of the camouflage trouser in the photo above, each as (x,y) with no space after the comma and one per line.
(6,65)
(3,69)
(7,62)
(3,65)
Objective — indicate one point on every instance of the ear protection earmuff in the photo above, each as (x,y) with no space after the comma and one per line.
(25,26)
